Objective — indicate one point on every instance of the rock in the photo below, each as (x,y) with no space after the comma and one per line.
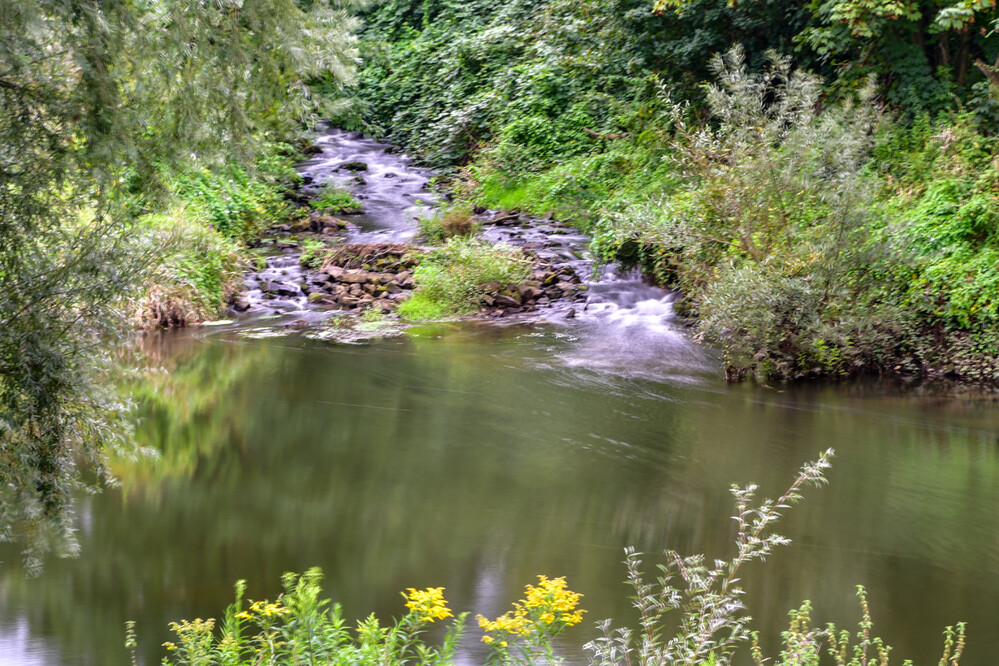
(393,288)
(281,289)
(353,166)
(359,180)
(353,277)
(487,299)
(241,305)
(479,210)
(334,271)
(566,287)
(408,283)
(369,288)
(505,301)
(382,305)
(349,301)
(571,314)
(402,276)
(491,287)
(389,175)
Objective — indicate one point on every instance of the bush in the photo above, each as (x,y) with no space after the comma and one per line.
(197,273)
(457,221)
(337,199)
(298,629)
(448,279)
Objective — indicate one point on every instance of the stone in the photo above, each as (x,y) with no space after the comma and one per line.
(505,301)
(353,166)
(382,305)
(566,287)
(491,287)
(334,271)
(353,277)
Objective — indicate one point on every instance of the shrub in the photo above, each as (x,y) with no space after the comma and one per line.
(338,199)
(457,221)
(231,201)
(197,273)
(525,634)
(448,280)
(298,628)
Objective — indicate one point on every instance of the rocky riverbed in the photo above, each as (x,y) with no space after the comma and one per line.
(360,277)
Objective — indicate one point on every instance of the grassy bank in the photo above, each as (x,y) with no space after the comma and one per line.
(205,222)
(818,219)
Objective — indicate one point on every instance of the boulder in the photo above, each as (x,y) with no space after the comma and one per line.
(353,277)
(505,301)
(353,166)
(491,287)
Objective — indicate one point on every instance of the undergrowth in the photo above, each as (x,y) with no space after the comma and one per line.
(448,279)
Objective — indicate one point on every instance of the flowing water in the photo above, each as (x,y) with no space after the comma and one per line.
(476,456)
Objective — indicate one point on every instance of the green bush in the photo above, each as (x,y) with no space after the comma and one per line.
(231,201)
(456,221)
(338,199)
(197,273)
(448,280)
(301,628)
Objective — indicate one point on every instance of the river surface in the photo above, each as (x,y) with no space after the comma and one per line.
(476,456)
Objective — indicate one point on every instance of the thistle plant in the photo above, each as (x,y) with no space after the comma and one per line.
(712,620)
(525,634)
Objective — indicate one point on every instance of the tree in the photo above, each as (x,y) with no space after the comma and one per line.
(95,94)
(921,50)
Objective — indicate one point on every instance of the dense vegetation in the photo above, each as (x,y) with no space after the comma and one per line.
(136,149)
(824,196)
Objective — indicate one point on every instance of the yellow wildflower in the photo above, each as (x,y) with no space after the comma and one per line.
(429,604)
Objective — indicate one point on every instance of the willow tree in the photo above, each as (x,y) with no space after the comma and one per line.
(94,94)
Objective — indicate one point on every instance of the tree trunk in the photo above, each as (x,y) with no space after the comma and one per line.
(991,72)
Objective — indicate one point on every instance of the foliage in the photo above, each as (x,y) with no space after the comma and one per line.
(98,99)
(337,199)
(525,634)
(197,274)
(712,622)
(802,643)
(448,279)
(447,78)
(455,221)
(299,627)
(922,51)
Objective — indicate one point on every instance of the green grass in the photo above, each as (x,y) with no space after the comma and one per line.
(448,280)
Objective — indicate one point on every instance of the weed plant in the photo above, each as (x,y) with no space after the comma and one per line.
(449,279)
(300,628)
(457,221)
(691,613)
(197,274)
(337,199)
(525,634)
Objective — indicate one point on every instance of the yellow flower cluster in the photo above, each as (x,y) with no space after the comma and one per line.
(547,608)
(429,604)
(263,609)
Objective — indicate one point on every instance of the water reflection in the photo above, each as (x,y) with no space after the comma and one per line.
(473,458)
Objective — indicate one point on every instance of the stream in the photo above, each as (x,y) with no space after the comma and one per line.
(478,454)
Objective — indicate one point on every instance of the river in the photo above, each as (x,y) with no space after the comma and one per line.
(476,456)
